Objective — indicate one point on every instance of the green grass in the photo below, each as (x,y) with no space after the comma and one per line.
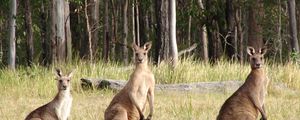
(25,89)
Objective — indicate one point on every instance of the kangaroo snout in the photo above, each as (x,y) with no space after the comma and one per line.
(258,65)
(140,60)
(64,87)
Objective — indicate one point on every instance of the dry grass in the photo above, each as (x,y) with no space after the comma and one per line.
(168,106)
(28,88)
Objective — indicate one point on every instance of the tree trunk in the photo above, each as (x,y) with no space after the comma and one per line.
(189,34)
(137,23)
(298,18)
(230,41)
(216,45)
(133,22)
(256,12)
(144,10)
(125,33)
(189,31)
(88,27)
(106,48)
(293,26)
(203,34)
(12,35)
(162,43)
(68,31)
(29,35)
(2,34)
(113,29)
(53,32)
(172,35)
(279,32)
(60,30)
(93,14)
(240,36)
(45,44)
(77,24)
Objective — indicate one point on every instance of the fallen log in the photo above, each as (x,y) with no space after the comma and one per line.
(199,87)
(102,83)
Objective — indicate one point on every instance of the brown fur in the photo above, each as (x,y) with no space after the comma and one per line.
(59,108)
(248,100)
(130,102)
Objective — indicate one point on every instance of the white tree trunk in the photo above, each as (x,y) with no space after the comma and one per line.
(173,44)
(133,23)
(12,36)
(204,36)
(89,31)
(137,19)
(60,30)
(68,31)
(189,30)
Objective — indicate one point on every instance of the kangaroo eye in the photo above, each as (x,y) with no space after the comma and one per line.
(253,59)
(144,53)
(60,81)
(68,80)
(136,54)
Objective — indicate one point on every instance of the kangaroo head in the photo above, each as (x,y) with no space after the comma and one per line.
(141,53)
(256,57)
(63,82)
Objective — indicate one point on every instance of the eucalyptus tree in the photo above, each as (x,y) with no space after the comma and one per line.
(12,35)
(29,33)
(293,26)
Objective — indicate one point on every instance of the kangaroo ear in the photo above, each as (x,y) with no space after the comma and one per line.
(134,47)
(58,72)
(147,46)
(71,73)
(263,50)
(250,50)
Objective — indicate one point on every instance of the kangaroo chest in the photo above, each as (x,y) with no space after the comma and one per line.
(63,108)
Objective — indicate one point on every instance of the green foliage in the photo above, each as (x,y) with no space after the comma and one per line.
(295,56)
(213,10)
(78,2)
(4,5)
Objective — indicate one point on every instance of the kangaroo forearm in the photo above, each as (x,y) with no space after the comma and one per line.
(151,106)
(263,114)
(151,101)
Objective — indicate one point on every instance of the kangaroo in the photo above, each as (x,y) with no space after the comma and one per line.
(248,100)
(59,108)
(130,102)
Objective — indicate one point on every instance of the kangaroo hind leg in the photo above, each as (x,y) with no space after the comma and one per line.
(121,115)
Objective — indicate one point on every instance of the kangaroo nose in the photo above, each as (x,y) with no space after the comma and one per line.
(258,65)
(140,60)
(64,87)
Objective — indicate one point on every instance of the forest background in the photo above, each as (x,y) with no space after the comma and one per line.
(44,32)
(192,41)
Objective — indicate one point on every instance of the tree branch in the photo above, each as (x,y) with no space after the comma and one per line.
(189,49)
